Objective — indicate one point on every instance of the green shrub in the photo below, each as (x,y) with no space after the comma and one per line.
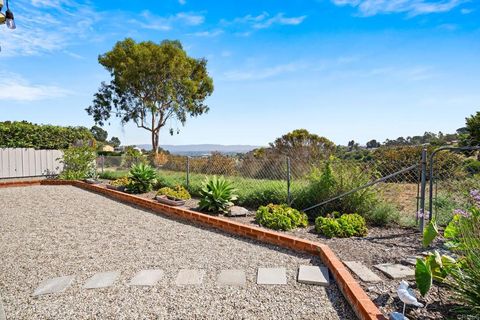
(78,163)
(24,134)
(334,178)
(383,214)
(217,195)
(120,182)
(347,225)
(142,177)
(132,156)
(177,192)
(280,217)
(472,166)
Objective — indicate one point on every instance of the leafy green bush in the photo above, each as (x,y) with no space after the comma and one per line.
(120,182)
(78,163)
(472,166)
(132,156)
(142,177)
(217,194)
(280,217)
(24,134)
(347,225)
(334,178)
(383,214)
(177,192)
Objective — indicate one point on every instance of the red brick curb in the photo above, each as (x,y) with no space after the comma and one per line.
(364,308)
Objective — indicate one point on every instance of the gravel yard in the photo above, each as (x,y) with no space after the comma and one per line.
(52,231)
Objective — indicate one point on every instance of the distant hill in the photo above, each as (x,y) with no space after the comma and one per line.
(202,149)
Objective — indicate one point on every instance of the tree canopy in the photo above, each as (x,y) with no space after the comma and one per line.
(302,144)
(471,133)
(150,84)
(99,134)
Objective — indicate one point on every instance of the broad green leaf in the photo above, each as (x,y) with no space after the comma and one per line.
(430,233)
(423,276)
(451,230)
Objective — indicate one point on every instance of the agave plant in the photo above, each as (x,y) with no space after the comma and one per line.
(142,177)
(217,195)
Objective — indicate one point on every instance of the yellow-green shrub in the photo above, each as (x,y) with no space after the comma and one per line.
(348,225)
(280,217)
(177,192)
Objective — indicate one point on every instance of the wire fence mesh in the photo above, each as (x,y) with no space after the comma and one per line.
(304,182)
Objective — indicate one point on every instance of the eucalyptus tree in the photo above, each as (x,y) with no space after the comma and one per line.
(151,84)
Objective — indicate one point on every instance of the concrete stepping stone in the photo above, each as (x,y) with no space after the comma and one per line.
(271,276)
(396,271)
(313,275)
(411,260)
(53,285)
(362,271)
(232,277)
(102,280)
(189,277)
(146,278)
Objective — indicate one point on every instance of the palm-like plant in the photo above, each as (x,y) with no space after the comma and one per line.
(142,177)
(217,195)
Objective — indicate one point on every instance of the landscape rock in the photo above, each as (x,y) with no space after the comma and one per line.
(237,211)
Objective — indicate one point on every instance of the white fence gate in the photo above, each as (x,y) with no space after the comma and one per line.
(23,162)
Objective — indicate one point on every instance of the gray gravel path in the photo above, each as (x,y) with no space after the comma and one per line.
(51,231)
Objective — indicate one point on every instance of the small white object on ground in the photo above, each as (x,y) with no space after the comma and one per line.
(189,277)
(53,285)
(232,277)
(362,271)
(396,271)
(146,278)
(313,275)
(406,295)
(102,280)
(271,276)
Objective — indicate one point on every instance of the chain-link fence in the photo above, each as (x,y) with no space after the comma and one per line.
(305,182)
(281,179)
(455,173)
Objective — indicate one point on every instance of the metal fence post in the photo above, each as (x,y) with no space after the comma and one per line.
(289,196)
(188,172)
(422,189)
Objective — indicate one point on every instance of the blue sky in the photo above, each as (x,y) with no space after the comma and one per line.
(344,69)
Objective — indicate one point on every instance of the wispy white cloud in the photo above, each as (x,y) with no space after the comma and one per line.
(148,20)
(208,33)
(182,2)
(369,8)
(15,88)
(263,73)
(466,11)
(264,20)
(40,31)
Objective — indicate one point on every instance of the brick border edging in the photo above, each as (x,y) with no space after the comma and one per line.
(363,307)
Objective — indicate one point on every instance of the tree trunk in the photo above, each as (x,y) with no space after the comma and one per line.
(155,136)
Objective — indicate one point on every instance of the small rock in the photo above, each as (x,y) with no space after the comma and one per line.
(237,211)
